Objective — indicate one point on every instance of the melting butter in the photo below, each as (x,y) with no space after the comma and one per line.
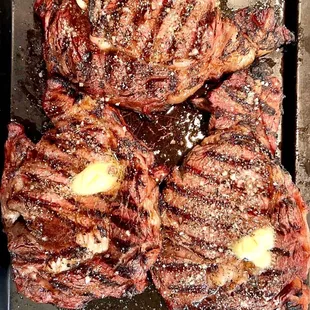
(256,248)
(82,4)
(100,177)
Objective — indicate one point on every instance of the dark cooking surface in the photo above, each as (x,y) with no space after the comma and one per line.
(5,39)
(174,132)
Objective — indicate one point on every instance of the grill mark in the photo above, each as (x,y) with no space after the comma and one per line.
(124,32)
(281,252)
(248,141)
(67,147)
(201,243)
(103,279)
(108,66)
(123,245)
(142,212)
(67,144)
(140,14)
(202,26)
(26,259)
(195,289)
(34,178)
(57,164)
(125,224)
(91,141)
(115,14)
(212,179)
(126,148)
(182,267)
(23,197)
(193,194)
(186,11)
(189,216)
(93,213)
(167,4)
(79,207)
(74,252)
(183,214)
(233,95)
(59,285)
(125,271)
(272,273)
(62,144)
(266,108)
(241,162)
(220,114)
(233,185)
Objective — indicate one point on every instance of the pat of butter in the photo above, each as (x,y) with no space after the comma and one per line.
(256,248)
(82,4)
(100,177)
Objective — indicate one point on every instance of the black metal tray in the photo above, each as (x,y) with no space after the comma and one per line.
(170,134)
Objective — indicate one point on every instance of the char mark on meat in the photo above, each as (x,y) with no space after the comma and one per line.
(161,52)
(251,97)
(69,248)
(228,189)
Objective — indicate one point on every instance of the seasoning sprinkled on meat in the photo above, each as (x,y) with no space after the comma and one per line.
(71,240)
(252,97)
(235,234)
(146,55)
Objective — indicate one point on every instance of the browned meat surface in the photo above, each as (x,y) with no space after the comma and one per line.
(145,55)
(228,189)
(250,97)
(68,248)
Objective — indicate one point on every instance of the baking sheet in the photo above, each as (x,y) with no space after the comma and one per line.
(170,135)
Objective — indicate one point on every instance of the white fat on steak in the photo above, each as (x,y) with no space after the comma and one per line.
(93,241)
(101,43)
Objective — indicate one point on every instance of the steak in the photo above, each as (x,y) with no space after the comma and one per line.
(252,96)
(68,248)
(228,194)
(146,55)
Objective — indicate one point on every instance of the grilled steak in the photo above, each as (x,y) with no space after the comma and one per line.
(145,55)
(235,234)
(250,97)
(68,248)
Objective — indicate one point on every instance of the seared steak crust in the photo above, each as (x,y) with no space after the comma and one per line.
(251,97)
(161,52)
(55,236)
(226,188)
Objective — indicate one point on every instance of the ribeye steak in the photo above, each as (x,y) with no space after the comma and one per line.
(71,241)
(235,234)
(145,55)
